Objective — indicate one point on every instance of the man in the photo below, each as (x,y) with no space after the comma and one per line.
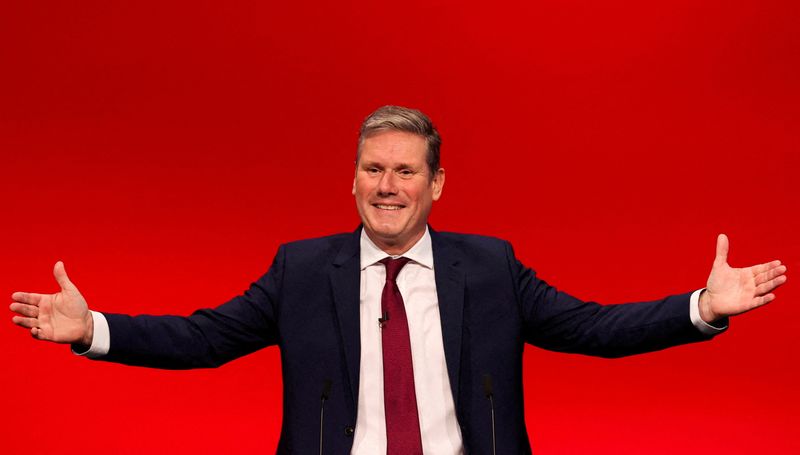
(403,331)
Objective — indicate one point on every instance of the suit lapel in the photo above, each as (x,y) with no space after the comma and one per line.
(450,292)
(345,280)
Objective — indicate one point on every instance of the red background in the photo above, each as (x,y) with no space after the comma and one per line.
(163,150)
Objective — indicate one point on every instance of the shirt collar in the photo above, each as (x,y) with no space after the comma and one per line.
(421,252)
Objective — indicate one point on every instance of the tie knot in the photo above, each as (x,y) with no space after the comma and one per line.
(393,266)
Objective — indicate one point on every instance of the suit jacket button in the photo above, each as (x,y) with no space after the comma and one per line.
(348,431)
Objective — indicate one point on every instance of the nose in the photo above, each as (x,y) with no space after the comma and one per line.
(387,184)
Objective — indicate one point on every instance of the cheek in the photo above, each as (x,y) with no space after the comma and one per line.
(360,189)
(421,197)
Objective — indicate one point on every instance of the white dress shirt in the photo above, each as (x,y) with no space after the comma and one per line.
(437,416)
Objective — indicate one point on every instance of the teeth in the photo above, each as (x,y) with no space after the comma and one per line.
(388,207)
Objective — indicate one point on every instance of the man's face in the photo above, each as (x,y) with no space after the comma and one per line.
(394,190)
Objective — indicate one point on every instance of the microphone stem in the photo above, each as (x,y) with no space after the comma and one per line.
(494,442)
(321,420)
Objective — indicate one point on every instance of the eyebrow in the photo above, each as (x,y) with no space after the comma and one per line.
(376,164)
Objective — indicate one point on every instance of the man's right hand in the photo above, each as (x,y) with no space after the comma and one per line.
(62,317)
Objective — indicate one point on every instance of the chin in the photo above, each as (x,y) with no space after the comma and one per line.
(387,236)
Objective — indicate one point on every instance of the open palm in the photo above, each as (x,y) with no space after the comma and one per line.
(731,291)
(62,317)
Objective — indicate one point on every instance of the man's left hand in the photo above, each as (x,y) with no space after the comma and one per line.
(732,291)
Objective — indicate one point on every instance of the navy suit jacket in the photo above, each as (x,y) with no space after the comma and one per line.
(490,306)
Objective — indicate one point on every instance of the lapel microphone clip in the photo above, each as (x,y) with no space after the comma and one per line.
(383,320)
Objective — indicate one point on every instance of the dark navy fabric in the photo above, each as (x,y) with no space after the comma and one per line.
(308,305)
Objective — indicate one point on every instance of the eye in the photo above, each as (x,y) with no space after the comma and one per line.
(372,170)
(405,173)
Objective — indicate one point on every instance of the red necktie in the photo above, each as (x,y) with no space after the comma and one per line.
(400,399)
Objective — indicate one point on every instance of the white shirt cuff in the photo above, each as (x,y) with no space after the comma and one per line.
(694,315)
(101,338)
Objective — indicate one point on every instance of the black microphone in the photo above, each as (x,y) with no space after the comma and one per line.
(326,392)
(487,390)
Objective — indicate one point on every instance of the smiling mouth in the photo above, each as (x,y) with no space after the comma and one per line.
(388,206)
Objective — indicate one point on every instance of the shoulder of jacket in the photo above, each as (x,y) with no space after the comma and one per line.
(317,245)
(470,239)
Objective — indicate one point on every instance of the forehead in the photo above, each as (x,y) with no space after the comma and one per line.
(394,146)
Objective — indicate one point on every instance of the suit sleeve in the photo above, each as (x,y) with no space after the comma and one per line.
(208,337)
(556,321)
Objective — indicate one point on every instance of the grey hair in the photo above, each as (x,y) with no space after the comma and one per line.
(398,118)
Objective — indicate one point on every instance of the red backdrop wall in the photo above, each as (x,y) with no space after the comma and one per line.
(164,150)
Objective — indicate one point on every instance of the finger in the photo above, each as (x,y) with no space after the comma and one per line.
(770,274)
(31,311)
(722,250)
(27,297)
(61,277)
(770,285)
(761,268)
(764,299)
(28,323)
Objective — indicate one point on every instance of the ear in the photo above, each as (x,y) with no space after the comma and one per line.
(438,184)
(355,175)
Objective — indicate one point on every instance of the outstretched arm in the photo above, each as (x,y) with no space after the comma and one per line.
(62,317)
(731,291)
(207,338)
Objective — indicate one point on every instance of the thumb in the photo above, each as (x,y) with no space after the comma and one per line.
(722,250)
(61,277)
